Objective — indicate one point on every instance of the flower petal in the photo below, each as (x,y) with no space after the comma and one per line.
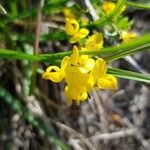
(75,94)
(95,42)
(128,36)
(53,73)
(64,62)
(99,69)
(79,35)
(74,56)
(71,26)
(108,7)
(107,82)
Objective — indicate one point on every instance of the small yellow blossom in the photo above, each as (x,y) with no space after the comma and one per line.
(107,82)
(68,13)
(128,36)
(81,74)
(94,42)
(72,28)
(108,7)
(84,21)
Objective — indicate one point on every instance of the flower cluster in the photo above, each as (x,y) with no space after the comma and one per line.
(81,73)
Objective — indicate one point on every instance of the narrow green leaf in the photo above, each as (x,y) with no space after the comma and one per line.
(129,75)
(27,115)
(139,5)
(109,54)
(135,45)
(116,12)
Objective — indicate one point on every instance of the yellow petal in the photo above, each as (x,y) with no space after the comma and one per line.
(76,94)
(76,76)
(89,64)
(95,42)
(74,56)
(107,82)
(86,62)
(128,36)
(108,7)
(99,69)
(64,62)
(53,73)
(68,13)
(79,35)
(71,26)
(84,32)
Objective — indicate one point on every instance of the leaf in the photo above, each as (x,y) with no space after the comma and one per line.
(129,75)
(116,12)
(54,36)
(139,5)
(54,6)
(123,23)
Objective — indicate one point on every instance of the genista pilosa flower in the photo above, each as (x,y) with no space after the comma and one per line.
(94,42)
(68,13)
(72,28)
(81,74)
(108,7)
(128,36)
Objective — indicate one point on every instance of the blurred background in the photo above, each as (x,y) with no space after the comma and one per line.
(107,121)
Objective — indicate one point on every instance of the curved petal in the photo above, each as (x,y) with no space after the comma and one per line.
(75,94)
(79,35)
(64,62)
(89,64)
(74,56)
(108,7)
(71,26)
(76,76)
(53,73)
(83,32)
(99,69)
(128,36)
(95,42)
(107,82)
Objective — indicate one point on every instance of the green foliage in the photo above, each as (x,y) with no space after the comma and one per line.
(123,23)
(54,6)
(129,75)
(17,35)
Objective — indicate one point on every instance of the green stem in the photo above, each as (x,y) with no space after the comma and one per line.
(139,5)
(129,75)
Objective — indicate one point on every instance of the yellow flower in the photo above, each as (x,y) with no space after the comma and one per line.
(77,94)
(72,28)
(68,13)
(81,74)
(55,73)
(94,42)
(108,7)
(107,82)
(128,36)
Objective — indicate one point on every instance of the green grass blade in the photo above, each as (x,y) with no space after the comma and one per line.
(109,54)
(27,115)
(120,4)
(137,43)
(139,5)
(129,75)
